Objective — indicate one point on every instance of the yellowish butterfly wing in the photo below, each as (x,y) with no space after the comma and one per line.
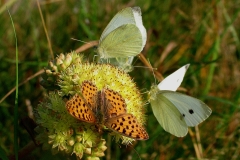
(124,41)
(124,16)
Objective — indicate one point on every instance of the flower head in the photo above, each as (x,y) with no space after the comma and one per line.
(59,130)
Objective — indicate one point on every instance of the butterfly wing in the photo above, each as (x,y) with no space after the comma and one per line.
(113,103)
(126,125)
(124,41)
(173,81)
(125,63)
(126,16)
(90,94)
(193,110)
(77,107)
(117,118)
(167,114)
(138,19)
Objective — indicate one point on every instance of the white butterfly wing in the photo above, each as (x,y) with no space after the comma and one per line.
(131,16)
(193,111)
(123,63)
(125,41)
(138,19)
(125,16)
(167,114)
(174,80)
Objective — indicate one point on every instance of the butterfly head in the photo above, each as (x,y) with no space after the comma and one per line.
(153,92)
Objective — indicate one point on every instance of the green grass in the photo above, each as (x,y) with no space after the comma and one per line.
(16,97)
(205,34)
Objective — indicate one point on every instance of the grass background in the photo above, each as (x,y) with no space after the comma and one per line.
(202,33)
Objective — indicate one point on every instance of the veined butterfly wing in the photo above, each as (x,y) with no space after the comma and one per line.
(123,46)
(192,110)
(124,41)
(129,15)
(175,111)
(123,63)
(174,80)
(125,16)
(167,115)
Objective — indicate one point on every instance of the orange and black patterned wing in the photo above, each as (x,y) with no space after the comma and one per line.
(113,103)
(77,107)
(90,94)
(127,125)
(116,117)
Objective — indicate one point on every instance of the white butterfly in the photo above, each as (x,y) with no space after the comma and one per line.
(123,38)
(176,111)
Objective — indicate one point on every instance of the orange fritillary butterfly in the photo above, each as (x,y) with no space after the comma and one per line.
(113,110)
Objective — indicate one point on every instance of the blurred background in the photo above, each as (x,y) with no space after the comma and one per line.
(202,33)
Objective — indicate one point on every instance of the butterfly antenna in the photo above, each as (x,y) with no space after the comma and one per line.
(134,61)
(80,41)
(155,81)
(145,67)
(149,66)
(141,66)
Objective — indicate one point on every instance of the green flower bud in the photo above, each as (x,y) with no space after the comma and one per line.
(78,149)
(71,141)
(88,150)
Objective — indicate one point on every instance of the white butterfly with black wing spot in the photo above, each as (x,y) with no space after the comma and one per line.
(175,111)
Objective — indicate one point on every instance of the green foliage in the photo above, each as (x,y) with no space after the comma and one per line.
(202,33)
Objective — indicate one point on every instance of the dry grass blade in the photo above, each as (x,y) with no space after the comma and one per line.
(165,53)
(86,46)
(147,64)
(45,29)
(26,80)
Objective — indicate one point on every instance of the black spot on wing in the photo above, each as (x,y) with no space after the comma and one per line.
(190,111)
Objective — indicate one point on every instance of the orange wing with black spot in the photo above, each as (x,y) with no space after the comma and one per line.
(84,107)
(80,110)
(117,119)
(90,94)
(113,103)
(127,125)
